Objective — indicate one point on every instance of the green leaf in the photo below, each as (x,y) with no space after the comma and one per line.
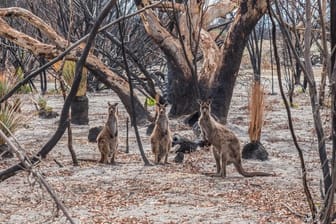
(150,101)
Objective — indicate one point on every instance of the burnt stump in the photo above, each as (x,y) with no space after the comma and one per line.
(80,110)
(255,150)
(93,133)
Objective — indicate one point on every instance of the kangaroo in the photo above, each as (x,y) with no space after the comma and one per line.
(225,144)
(161,136)
(107,139)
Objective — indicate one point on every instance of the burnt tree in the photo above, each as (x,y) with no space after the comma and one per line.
(197,66)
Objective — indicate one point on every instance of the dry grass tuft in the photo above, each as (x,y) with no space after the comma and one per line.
(256,108)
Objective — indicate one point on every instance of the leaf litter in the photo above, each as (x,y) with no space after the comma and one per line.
(129,192)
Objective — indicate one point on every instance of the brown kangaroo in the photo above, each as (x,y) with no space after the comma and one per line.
(161,136)
(107,139)
(225,144)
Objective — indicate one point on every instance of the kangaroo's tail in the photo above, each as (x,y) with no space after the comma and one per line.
(241,170)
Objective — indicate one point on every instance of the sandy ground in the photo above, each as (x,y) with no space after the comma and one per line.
(176,193)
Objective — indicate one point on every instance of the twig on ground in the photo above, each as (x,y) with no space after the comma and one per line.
(127,141)
(58,163)
(296,213)
(29,167)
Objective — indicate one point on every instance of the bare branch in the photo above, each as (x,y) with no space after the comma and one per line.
(290,123)
(25,41)
(36,21)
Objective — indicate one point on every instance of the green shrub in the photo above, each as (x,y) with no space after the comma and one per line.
(10,116)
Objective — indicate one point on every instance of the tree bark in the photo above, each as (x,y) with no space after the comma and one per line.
(181,91)
(247,17)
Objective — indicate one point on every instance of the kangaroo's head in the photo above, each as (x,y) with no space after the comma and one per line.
(112,109)
(161,117)
(161,109)
(205,107)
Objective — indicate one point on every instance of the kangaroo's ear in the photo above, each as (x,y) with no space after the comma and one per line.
(115,105)
(199,101)
(165,105)
(109,104)
(208,101)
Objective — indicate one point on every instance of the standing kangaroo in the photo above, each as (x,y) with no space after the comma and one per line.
(161,136)
(107,139)
(225,144)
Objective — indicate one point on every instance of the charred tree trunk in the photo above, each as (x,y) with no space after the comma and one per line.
(80,110)
(222,91)
(333,31)
(181,92)
(248,16)
(333,75)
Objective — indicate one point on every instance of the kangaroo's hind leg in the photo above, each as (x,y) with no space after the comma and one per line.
(217,158)
(113,151)
(104,151)
(223,167)
(167,150)
(155,150)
